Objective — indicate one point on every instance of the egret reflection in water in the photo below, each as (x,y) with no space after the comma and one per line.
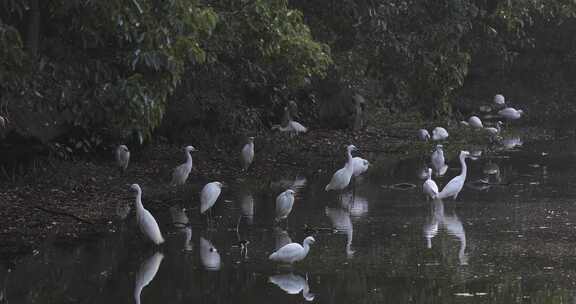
(209,256)
(356,204)
(146,274)
(340,219)
(438,220)
(293,284)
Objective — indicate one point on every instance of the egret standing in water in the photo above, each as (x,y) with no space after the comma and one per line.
(439,133)
(284,204)
(429,187)
(341,178)
(209,195)
(454,186)
(437,159)
(146,221)
(122,157)
(475,122)
(247,154)
(180,174)
(292,252)
(423,135)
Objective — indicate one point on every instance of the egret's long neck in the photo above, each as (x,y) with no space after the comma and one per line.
(349,162)
(188,158)
(463,163)
(306,248)
(139,205)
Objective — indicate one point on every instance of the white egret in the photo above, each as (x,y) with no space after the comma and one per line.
(209,195)
(511,143)
(437,159)
(510,113)
(495,131)
(423,135)
(429,187)
(341,178)
(360,166)
(292,127)
(180,174)
(247,154)
(292,252)
(146,274)
(209,256)
(284,203)
(439,133)
(454,186)
(499,100)
(122,157)
(292,284)
(146,221)
(2,122)
(475,122)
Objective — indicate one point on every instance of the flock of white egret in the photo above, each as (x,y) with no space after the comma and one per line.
(341,179)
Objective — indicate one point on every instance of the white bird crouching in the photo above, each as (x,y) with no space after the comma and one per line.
(475,122)
(209,195)
(341,178)
(510,113)
(360,166)
(284,204)
(292,252)
(439,133)
(146,221)
(499,100)
(423,135)
(429,187)
(292,127)
(180,174)
(454,186)
(122,157)
(247,154)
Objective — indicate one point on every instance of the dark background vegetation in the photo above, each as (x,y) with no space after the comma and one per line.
(84,75)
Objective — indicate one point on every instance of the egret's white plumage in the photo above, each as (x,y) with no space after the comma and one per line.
(436,217)
(439,133)
(146,274)
(292,284)
(292,252)
(284,203)
(475,122)
(209,256)
(342,223)
(494,131)
(341,178)
(423,135)
(209,195)
(247,154)
(292,127)
(122,157)
(360,166)
(454,227)
(2,122)
(499,100)
(429,187)
(510,113)
(454,186)
(146,221)
(437,159)
(180,174)
(464,124)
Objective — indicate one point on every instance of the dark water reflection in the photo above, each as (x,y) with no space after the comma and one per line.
(509,238)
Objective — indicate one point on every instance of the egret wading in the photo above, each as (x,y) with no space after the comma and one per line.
(423,135)
(247,154)
(146,221)
(429,187)
(122,157)
(475,122)
(341,178)
(437,159)
(292,252)
(209,195)
(454,186)
(180,174)
(284,204)
(499,100)
(439,133)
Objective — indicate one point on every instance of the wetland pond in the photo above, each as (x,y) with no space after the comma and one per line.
(510,237)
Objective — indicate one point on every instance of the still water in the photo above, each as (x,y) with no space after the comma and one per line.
(508,239)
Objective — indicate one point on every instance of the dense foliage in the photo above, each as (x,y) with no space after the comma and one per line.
(99,71)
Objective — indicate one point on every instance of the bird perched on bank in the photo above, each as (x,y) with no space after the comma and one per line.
(499,100)
(341,178)
(454,186)
(292,252)
(439,133)
(247,154)
(495,131)
(146,221)
(284,203)
(429,187)
(292,127)
(209,195)
(475,122)
(180,174)
(510,113)
(122,157)
(423,135)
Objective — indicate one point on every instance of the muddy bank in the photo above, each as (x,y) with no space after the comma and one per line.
(64,202)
